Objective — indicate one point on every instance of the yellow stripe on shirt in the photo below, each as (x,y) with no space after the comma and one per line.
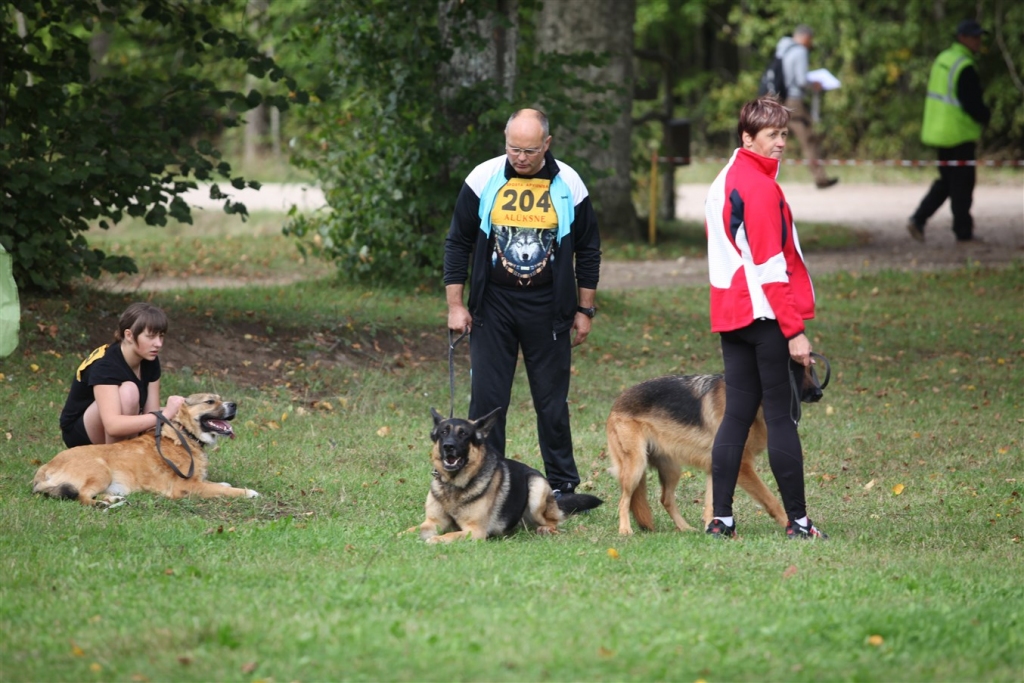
(93,357)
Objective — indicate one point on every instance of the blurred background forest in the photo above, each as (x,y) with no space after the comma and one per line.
(116,108)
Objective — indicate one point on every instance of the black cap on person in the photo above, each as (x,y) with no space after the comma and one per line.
(969,27)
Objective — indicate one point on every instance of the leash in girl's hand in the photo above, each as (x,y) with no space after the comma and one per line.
(160,421)
(451,368)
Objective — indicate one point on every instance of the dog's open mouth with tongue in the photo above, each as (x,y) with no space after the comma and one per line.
(218,426)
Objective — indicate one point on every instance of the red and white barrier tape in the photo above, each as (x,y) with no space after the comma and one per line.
(685,161)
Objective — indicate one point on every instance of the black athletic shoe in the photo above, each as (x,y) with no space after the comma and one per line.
(560,491)
(719,529)
(797,530)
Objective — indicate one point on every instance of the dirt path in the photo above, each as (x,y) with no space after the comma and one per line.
(880,212)
(242,351)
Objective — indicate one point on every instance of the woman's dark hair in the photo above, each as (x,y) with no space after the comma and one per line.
(140,317)
(764,112)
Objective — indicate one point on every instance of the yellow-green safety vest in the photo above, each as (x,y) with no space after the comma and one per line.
(946,124)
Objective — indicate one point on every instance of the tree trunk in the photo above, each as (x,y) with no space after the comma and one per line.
(494,59)
(483,54)
(19,20)
(567,26)
(256,118)
(99,45)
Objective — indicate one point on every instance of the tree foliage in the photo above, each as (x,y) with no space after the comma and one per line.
(107,111)
(881,52)
(393,145)
(112,109)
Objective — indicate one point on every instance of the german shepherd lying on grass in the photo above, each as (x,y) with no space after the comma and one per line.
(668,422)
(102,474)
(480,494)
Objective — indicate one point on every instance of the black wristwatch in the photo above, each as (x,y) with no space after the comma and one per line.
(589,312)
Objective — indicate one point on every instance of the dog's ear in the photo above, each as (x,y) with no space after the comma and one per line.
(484,424)
(438,419)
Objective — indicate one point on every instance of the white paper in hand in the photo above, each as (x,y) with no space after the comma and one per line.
(824,77)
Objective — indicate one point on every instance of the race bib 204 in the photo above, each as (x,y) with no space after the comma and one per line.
(525,203)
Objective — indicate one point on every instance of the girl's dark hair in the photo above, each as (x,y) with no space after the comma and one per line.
(764,112)
(140,317)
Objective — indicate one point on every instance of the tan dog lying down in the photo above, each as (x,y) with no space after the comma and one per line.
(102,474)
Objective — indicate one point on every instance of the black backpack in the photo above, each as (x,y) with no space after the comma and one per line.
(773,81)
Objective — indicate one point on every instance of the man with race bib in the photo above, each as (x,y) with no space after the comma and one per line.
(525,235)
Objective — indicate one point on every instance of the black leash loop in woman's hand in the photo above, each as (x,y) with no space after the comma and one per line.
(796,377)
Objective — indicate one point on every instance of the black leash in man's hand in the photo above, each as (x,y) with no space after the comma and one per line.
(451,368)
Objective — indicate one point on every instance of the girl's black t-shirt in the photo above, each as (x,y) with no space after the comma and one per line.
(105,365)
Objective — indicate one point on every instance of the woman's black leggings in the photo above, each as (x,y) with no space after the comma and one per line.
(757,375)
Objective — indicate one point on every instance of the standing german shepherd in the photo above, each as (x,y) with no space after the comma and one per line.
(669,422)
(480,494)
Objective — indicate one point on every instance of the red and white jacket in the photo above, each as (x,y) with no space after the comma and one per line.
(754,260)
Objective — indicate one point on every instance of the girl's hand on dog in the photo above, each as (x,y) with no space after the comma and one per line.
(174,404)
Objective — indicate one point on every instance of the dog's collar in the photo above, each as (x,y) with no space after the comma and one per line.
(179,429)
(435,474)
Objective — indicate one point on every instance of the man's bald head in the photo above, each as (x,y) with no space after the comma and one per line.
(534,114)
(527,140)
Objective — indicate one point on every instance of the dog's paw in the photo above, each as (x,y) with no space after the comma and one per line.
(249,493)
(110,502)
(547,530)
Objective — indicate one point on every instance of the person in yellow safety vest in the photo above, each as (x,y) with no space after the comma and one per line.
(954,114)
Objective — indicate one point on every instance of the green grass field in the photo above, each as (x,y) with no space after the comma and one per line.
(914,466)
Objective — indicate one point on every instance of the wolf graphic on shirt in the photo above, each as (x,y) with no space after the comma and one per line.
(524,246)
(523,253)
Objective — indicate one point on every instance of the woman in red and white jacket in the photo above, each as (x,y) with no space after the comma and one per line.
(761,294)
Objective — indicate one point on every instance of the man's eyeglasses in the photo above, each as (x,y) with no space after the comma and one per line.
(516,151)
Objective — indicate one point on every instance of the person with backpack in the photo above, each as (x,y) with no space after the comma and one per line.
(790,87)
